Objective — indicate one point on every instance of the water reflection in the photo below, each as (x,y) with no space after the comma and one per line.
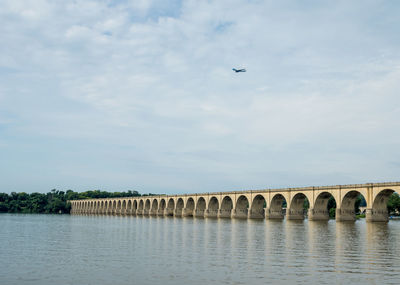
(153,250)
(381,247)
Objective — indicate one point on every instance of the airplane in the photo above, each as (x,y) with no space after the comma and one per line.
(239,70)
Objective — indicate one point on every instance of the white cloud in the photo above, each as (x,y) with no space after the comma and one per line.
(79,32)
(152,82)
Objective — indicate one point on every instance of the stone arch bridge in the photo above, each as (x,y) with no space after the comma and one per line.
(257,204)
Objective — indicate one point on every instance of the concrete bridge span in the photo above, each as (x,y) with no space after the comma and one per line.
(255,204)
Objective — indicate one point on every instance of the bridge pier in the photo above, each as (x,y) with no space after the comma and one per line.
(168,212)
(224,213)
(211,213)
(380,215)
(240,214)
(318,215)
(188,212)
(257,214)
(178,213)
(295,215)
(345,215)
(199,213)
(273,214)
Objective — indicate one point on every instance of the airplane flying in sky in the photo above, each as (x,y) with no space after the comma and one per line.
(239,70)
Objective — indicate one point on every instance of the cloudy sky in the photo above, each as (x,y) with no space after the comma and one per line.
(140,94)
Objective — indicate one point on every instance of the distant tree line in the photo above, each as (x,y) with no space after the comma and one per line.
(53,202)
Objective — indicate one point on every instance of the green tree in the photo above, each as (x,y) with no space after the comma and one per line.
(52,202)
(3,207)
(394,203)
(332,207)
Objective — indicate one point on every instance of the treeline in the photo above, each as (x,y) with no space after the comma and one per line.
(53,202)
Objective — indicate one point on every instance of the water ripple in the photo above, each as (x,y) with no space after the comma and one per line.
(45,249)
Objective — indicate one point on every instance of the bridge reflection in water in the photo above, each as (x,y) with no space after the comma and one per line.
(253,204)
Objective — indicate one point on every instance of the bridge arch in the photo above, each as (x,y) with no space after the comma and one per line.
(276,210)
(110,206)
(347,210)
(381,198)
(114,207)
(242,207)
(258,206)
(170,207)
(154,207)
(105,207)
(123,208)
(129,207)
(179,207)
(320,210)
(226,207)
(213,207)
(189,207)
(379,208)
(147,207)
(201,207)
(135,206)
(95,207)
(101,207)
(297,207)
(162,207)
(119,205)
(140,207)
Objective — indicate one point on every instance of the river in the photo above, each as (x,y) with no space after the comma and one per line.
(64,249)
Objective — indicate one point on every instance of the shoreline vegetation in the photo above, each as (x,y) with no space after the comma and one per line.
(55,201)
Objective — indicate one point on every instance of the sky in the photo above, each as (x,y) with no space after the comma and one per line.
(140,95)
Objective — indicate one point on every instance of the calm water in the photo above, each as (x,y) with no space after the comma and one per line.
(51,249)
